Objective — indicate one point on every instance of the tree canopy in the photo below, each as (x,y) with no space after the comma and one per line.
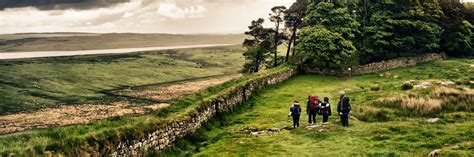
(331,33)
(323,47)
(326,39)
(332,17)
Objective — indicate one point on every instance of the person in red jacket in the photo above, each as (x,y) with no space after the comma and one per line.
(312,109)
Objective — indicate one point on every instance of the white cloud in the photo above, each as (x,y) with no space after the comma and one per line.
(144,16)
(171,10)
(127,15)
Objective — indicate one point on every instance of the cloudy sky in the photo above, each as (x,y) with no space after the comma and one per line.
(140,16)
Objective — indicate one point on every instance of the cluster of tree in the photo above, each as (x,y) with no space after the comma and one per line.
(399,28)
(458,36)
(338,33)
(262,46)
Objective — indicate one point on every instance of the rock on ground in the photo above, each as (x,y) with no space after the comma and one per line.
(435,153)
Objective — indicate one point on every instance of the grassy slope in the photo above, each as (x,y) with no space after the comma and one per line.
(31,84)
(398,136)
(62,42)
(101,135)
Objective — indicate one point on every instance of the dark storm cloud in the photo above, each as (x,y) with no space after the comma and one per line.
(59,4)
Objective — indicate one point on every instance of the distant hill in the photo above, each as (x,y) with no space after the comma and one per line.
(89,41)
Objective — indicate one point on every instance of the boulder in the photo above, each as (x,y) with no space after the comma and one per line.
(275,129)
(447,83)
(254,133)
(432,120)
(423,85)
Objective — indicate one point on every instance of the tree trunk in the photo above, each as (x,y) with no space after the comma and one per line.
(257,62)
(365,12)
(294,46)
(275,49)
(293,35)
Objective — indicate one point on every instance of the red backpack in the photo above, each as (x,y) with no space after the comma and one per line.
(314,102)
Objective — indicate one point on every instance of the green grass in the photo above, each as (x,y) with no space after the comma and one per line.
(104,134)
(31,84)
(379,135)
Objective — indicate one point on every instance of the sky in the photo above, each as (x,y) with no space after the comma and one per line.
(133,16)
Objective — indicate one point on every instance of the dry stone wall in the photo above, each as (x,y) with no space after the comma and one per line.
(395,63)
(168,133)
(375,67)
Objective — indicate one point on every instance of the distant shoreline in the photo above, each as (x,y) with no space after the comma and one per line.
(43,54)
(98,33)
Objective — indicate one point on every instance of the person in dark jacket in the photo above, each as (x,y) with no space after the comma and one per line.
(312,109)
(325,110)
(295,113)
(344,108)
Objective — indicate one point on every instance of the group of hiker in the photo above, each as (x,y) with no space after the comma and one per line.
(316,107)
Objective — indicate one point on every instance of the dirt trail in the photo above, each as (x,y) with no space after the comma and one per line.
(170,92)
(88,113)
(68,115)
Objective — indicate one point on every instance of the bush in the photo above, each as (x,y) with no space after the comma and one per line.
(373,115)
(407,86)
(375,88)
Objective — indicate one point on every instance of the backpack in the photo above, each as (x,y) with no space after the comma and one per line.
(295,110)
(346,107)
(326,110)
(314,102)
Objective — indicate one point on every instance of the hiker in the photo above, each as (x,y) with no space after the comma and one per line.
(344,109)
(295,113)
(312,109)
(325,110)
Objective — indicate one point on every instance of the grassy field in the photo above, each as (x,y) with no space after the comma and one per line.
(102,135)
(71,41)
(31,84)
(376,129)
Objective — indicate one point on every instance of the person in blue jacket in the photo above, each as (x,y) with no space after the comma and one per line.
(296,113)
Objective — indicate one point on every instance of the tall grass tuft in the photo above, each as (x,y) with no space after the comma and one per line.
(417,103)
(441,99)
(455,99)
(444,92)
(370,114)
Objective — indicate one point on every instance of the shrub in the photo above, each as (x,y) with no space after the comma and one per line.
(407,85)
(375,87)
(373,115)
(387,74)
